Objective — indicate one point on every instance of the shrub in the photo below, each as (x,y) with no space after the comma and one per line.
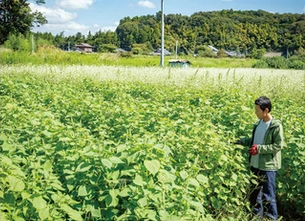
(257,53)
(18,43)
(107,48)
(126,54)
(204,51)
(299,65)
(260,64)
(221,53)
(278,62)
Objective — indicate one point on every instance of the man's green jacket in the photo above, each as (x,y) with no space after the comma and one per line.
(270,157)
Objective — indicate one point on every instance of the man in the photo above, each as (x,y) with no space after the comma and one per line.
(265,158)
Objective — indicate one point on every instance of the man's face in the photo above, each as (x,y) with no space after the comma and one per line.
(260,113)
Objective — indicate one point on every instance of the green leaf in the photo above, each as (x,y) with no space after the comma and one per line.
(166,177)
(46,133)
(138,180)
(6,147)
(121,148)
(107,163)
(111,199)
(16,218)
(125,192)
(82,167)
(142,202)
(116,160)
(44,213)
(6,160)
(82,191)
(25,195)
(153,166)
(202,179)
(65,139)
(39,203)
(234,177)
(197,205)
(183,174)
(16,184)
(194,182)
(151,214)
(73,214)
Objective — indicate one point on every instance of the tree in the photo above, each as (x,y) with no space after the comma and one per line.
(16,17)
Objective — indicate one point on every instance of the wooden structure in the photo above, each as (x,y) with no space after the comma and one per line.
(84,47)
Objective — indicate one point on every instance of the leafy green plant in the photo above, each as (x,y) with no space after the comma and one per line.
(116,143)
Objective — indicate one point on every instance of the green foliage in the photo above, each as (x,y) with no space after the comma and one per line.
(261,64)
(204,51)
(221,53)
(111,143)
(105,48)
(257,53)
(226,29)
(18,43)
(17,17)
(51,55)
(241,31)
(296,64)
(278,62)
(143,49)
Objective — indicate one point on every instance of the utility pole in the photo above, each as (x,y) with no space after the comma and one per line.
(176,48)
(33,46)
(162,34)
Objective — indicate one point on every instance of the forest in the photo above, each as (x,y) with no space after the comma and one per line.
(244,32)
(241,31)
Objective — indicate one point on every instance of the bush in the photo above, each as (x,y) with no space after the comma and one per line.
(261,64)
(107,48)
(221,53)
(257,53)
(18,43)
(141,48)
(299,65)
(137,50)
(204,51)
(277,62)
(125,54)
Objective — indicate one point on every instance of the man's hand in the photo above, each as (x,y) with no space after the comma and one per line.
(253,150)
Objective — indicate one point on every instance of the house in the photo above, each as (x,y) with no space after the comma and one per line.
(229,53)
(158,52)
(84,47)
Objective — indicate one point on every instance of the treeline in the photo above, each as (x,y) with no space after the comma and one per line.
(241,31)
(244,32)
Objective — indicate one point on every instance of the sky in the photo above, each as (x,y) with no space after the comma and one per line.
(73,16)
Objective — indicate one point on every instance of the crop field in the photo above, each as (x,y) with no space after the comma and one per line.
(122,143)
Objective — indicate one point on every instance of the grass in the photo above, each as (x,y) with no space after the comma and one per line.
(55,56)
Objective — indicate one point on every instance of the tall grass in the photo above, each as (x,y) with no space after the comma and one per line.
(55,57)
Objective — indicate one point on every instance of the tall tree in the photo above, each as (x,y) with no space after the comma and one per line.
(17,17)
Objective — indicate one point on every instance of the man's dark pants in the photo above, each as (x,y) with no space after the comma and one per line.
(264,194)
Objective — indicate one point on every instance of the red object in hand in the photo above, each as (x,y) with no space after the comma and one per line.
(253,150)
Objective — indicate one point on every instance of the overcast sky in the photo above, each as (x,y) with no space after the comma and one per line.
(72,16)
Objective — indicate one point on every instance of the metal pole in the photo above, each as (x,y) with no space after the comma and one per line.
(162,33)
(33,43)
(176,48)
